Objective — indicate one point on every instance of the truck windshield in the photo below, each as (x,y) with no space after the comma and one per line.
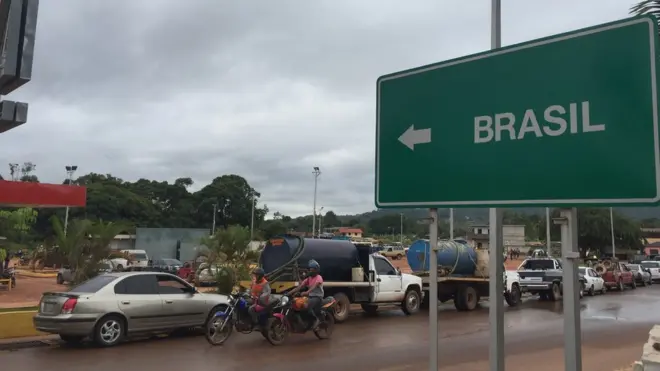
(538,265)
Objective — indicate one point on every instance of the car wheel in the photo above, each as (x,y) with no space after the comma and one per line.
(513,298)
(60,280)
(592,291)
(643,282)
(619,285)
(633,285)
(555,293)
(650,282)
(399,257)
(603,290)
(109,331)
(410,304)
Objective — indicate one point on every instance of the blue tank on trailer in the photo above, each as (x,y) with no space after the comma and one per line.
(457,258)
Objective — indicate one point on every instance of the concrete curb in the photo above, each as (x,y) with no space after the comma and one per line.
(36,274)
(17,325)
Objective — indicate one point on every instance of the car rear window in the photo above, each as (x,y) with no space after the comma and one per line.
(94,284)
(538,264)
(139,256)
(651,265)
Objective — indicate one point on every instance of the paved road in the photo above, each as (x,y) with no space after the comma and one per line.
(387,342)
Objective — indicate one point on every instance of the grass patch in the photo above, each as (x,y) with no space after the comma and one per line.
(19,309)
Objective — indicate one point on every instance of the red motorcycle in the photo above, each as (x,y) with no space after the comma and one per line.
(294,318)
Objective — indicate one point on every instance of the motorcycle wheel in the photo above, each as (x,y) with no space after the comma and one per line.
(327,326)
(213,334)
(276,331)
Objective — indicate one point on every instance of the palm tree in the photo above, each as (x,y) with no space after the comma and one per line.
(228,251)
(646,7)
(85,245)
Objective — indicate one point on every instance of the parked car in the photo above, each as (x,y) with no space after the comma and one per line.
(66,274)
(133,259)
(112,306)
(394,252)
(206,275)
(618,276)
(653,267)
(166,265)
(642,275)
(594,282)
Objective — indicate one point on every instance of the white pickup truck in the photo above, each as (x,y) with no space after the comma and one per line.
(381,284)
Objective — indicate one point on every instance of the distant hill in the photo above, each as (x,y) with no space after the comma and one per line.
(480,215)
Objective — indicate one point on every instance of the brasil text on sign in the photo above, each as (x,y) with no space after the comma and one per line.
(567,120)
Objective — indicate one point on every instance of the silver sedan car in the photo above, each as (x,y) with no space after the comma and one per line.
(112,306)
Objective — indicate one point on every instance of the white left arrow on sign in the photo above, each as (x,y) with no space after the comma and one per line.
(411,137)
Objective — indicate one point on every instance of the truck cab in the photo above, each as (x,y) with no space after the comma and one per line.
(391,285)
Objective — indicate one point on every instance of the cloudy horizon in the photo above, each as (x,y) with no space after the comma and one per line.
(163,89)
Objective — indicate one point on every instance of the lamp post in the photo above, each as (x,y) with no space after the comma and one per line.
(70,170)
(401,228)
(316,173)
(320,220)
(215,211)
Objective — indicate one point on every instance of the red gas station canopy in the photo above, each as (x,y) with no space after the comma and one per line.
(25,194)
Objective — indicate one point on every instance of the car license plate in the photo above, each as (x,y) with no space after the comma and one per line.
(46,307)
(534,278)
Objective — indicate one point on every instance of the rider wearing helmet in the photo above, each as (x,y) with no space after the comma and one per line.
(259,292)
(314,285)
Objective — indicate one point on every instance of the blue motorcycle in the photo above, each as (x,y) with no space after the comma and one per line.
(236,316)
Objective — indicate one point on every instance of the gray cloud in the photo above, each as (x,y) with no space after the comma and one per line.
(266,89)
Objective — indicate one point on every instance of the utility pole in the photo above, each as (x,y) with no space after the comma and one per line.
(316,173)
(70,170)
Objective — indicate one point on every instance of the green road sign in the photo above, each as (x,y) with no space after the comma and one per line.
(571,120)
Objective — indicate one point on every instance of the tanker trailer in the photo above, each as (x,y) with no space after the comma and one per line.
(351,274)
(463,273)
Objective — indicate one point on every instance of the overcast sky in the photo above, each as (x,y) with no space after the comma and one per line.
(265,89)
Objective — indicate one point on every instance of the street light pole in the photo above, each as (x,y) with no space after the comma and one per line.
(316,173)
(70,170)
(612,232)
(320,219)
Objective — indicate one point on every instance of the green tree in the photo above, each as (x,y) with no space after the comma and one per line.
(330,219)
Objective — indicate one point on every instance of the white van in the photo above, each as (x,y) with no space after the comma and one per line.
(134,258)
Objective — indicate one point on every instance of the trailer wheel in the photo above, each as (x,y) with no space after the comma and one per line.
(342,307)
(466,298)
(513,297)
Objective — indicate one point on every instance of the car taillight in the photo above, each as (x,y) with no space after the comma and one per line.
(69,306)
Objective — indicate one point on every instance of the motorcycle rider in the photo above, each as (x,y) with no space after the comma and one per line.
(259,292)
(314,285)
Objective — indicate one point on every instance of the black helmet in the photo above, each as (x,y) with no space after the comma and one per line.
(259,273)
